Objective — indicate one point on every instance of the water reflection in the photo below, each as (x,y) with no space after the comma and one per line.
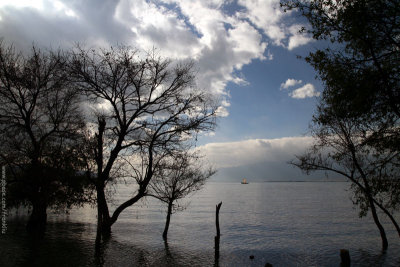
(369,259)
(73,244)
(292,230)
(114,253)
(61,245)
(167,257)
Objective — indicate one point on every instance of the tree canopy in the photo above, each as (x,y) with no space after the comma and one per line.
(176,178)
(40,131)
(145,108)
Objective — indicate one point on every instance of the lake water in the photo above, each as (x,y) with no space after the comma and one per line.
(283,223)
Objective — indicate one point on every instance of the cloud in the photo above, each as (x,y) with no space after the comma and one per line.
(258,159)
(227,43)
(200,30)
(50,24)
(296,38)
(248,152)
(290,83)
(269,17)
(156,26)
(222,111)
(308,90)
(218,41)
(225,103)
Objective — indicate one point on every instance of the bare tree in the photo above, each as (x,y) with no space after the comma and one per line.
(40,125)
(148,108)
(175,179)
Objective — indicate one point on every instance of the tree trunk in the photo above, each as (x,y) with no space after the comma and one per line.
(392,219)
(368,194)
(169,212)
(38,218)
(217,237)
(99,228)
(385,243)
(218,207)
(141,193)
(103,217)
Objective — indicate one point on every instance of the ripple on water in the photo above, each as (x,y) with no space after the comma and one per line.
(285,224)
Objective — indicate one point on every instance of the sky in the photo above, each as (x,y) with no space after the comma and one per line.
(245,53)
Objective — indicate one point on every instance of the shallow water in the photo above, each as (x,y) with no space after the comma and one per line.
(285,224)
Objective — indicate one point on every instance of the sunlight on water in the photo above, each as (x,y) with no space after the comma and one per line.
(285,224)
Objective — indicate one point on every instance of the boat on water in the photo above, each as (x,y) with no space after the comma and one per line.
(244,181)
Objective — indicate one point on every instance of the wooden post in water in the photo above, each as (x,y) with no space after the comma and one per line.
(217,237)
(344,258)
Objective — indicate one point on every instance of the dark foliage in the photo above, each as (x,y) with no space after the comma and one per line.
(40,131)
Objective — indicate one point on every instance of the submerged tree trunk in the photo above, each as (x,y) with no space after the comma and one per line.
(38,218)
(392,219)
(169,212)
(368,194)
(218,236)
(385,243)
(103,216)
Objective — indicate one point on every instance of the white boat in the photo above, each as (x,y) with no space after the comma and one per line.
(244,181)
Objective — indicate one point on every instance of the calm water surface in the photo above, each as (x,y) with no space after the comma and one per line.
(285,224)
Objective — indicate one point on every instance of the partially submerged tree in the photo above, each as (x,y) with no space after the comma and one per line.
(342,146)
(358,117)
(175,179)
(150,108)
(40,125)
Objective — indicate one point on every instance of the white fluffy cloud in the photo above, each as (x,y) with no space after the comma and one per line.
(157,26)
(222,110)
(220,44)
(308,90)
(296,38)
(249,152)
(227,43)
(268,16)
(290,83)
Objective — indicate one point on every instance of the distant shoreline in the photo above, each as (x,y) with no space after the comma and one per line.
(288,181)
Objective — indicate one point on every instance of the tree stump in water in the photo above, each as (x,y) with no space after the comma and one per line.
(344,258)
(217,237)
